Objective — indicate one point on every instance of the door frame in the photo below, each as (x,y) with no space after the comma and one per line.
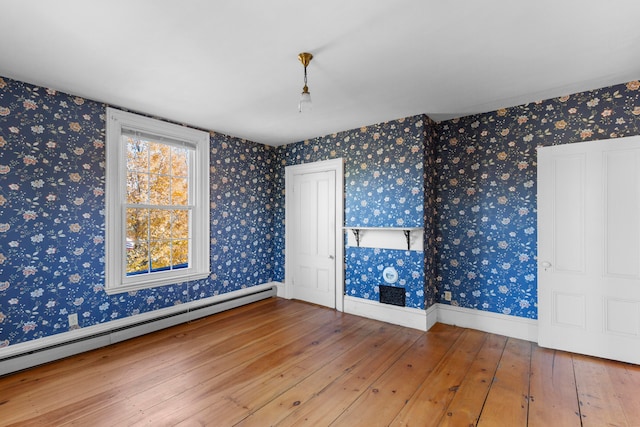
(336,165)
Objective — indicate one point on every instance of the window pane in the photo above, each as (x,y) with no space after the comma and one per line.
(179,161)
(137,154)
(138,258)
(137,225)
(159,158)
(160,255)
(180,226)
(180,253)
(159,190)
(137,188)
(159,224)
(179,191)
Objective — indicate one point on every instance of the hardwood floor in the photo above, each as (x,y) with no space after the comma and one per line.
(279,362)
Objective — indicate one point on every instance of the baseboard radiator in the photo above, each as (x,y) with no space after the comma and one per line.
(69,344)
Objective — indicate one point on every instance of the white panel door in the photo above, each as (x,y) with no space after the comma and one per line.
(312,219)
(589,248)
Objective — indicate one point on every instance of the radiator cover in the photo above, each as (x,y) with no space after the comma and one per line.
(69,344)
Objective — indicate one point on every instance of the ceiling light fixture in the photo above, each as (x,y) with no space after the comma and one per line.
(305,97)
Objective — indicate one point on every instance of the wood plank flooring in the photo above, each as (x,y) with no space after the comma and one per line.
(288,363)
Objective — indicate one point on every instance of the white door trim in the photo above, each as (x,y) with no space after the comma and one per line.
(336,165)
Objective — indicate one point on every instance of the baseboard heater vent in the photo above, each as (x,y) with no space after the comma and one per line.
(71,346)
(392,295)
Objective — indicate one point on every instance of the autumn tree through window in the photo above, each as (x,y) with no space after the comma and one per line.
(158,207)
(158,239)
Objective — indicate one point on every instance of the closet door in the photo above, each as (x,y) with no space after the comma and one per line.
(313,232)
(589,248)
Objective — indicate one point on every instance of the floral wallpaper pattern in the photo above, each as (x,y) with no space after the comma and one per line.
(364,273)
(384,187)
(52,166)
(242,196)
(486,191)
(471,182)
(430,214)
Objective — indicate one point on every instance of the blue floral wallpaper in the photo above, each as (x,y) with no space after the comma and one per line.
(364,269)
(242,200)
(486,191)
(430,176)
(52,160)
(471,182)
(384,187)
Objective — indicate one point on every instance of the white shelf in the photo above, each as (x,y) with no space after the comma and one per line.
(381,237)
(355,227)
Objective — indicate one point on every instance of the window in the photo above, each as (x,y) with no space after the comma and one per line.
(157,192)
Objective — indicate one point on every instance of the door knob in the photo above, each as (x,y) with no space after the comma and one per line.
(545,265)
(331,257)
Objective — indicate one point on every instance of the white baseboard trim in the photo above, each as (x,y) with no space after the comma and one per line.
(280,289)
(24,355)
(432,316)
(495,323)
(403,316)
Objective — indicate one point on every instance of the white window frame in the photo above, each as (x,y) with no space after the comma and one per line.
(199,262)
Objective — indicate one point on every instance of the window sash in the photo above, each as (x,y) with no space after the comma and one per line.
(119,125)
(154,137)
(149,239)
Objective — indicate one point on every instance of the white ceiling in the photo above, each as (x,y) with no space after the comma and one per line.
(231,65)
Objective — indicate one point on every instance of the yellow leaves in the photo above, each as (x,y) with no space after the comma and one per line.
(157,175)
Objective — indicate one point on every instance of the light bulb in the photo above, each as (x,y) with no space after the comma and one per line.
(305,102)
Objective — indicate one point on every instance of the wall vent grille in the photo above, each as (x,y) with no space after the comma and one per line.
(392,295)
